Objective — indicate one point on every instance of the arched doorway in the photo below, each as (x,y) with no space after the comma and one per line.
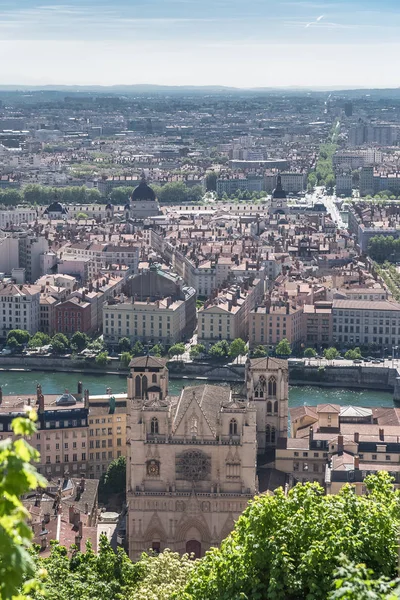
(193,547)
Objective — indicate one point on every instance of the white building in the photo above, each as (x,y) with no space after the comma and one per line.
(19,308)
(18,216)
(31,252)
(9,254)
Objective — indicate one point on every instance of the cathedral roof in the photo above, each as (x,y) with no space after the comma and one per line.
(209,398)
(143,192)
(147,361)
(269,362)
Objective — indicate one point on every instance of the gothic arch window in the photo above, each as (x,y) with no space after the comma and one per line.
(268,434)
(138,387)
(154,378)
(269,407)
(233,427)
(273,435)
(154,425)
(272,386)
(276,406)
(144,386)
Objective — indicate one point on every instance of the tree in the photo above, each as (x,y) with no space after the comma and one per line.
(79,341)
(13,344)
(356,582)
(260,352)
(157,350)
(126,358)
(102,359)
(211,182)
(237,348)
(114,479)
(124,344)
(38,340)
(177,349)
(59,343)
(173,193)
(82,215)
(311,180)
(287,547)
(310,352)
(331,353)
(20,335)
(196,351)
(138,349)
(219,350)
(353,354)
(17,477)
(283,348)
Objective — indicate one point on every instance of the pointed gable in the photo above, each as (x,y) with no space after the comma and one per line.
(206,400)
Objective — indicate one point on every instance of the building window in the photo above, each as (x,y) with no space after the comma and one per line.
(154,426)
(270,434)
(272,386)
(233,427)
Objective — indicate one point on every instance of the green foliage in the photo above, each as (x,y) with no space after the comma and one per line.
(177,349)
(124,344)
(87,576)
(38,340)
(324,169)
(178,193)
(288,547)
(219,350)
(96,345)
(126,358)
(331,353)
(102,359)
(237,348)
(17,476)
(197,350)
(79,341)
(260,352)
(157,350)
(384,248)
(283,348)
(81,215)
(20,335)
(311,180)
(353,354)
(211,181)
(59,343)
(356,582)
(138,349)
(114,479)
(310,352)
(13,344)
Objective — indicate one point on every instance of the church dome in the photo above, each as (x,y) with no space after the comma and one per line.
(56,207)
(143,192)
(279,192)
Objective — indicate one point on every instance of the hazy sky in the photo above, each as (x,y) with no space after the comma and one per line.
(251,43)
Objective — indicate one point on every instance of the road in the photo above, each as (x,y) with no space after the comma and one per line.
(319,195)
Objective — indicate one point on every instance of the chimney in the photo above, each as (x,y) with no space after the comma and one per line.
(78,542)
(381,434)
(356,462)
(82,484)
(80,529)
(356,437)
(340,444)
(79,388)
(1,394)
(71,514)
(311,435)
(41,403)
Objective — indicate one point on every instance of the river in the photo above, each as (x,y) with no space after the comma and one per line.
(24,382)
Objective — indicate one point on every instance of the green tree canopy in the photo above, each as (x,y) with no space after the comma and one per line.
(331,353)
(20,335)
(59,343)
(177,349)
(353,354)
(260,352)
(211,181)
(283,348)
(124,344)
(237,348)
(219,350)
(138,349)
(79,341)
(157,350)
(126,358)
(102,359)
(114,479)
(289,547)
(38,340)
(197,350)
(310,352)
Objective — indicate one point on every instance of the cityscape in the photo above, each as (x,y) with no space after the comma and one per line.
(199,327)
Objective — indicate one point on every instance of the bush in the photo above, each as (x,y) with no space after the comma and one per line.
(79,341)
(125,359)
(310,352)
(102,359)
(177,350)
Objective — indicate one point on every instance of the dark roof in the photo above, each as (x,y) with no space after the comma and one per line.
(143,192)
(108,206)
(279,192)
(147,361)
(56,207)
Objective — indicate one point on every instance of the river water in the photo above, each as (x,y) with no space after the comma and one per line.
(24,382)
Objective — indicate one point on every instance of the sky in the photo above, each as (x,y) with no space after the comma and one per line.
(241,43)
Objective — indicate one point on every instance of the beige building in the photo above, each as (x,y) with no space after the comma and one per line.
(107,431)
(317,324)
(19,308)
(269,325)
(192,458)
(226,317)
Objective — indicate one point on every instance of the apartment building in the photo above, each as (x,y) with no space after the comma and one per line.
(19,308)
(104,255)
(365,322)
(270,324)
(47,322)
(107,431)
(344,184)
(31,252)
(75,314)
(18,216)
(317,324)
(226,316)
(9,252)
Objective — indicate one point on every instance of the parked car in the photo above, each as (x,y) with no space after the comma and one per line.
(357,361)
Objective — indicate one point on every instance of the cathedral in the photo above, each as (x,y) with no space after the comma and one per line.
(192,458)
(143,203)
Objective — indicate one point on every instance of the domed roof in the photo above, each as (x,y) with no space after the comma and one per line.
(279,192)
(109,206)
(56,207)
(143,192)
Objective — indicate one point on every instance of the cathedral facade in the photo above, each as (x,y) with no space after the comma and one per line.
(191,459)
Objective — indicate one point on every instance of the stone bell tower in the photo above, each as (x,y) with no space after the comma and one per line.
(267,383)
